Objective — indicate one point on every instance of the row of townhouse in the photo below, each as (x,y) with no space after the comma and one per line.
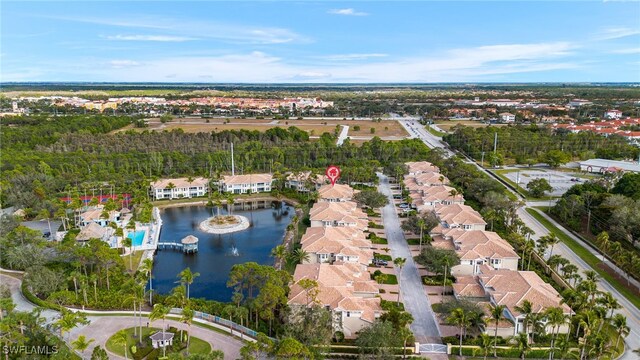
(339,255)
(177,188)
(488,270)
(305,181)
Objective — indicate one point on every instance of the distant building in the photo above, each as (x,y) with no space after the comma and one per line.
(179,188)
(579,102)
(507,117)
(613,114)
(300,181)
(603,165)
(246,184)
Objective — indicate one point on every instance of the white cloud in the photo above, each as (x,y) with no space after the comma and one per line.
(627,51)
(194,29)
(162,38)
(347,12)
(350,57)
(616,33)
(123,63)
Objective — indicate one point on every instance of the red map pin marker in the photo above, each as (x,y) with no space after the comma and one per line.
(333,173)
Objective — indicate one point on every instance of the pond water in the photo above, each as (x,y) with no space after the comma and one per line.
(217,253)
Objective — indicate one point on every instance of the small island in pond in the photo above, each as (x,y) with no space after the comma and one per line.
(224,224)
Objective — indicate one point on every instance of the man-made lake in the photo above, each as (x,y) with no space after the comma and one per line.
(215,255)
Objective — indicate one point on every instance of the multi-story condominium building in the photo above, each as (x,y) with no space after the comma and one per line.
(335,245)
(335,193)
(179,188)
(511,288)
(458,216)
(338,214)
(344,289)
(476,248)
(246,184)
(419,167)
(300,181)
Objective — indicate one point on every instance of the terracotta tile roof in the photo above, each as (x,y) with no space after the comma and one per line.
(304,175)
(337,191)
(247,179)
(431,178)
(345,212)
(339,287)
(512,288)
(480,244)
(96,213)
(441,193)
(180,183)
(421,167)
(460,215)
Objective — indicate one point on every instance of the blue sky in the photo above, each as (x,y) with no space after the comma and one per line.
(304,41)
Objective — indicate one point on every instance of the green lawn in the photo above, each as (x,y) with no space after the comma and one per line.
(587,256)
(389,280)
(135,261)
(196,346)
(435,132)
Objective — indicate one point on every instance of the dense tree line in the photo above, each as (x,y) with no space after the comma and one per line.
(533,144)
(43,158)
(612,213)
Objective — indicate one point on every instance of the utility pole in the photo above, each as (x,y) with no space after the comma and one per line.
(482,161)
(495,143)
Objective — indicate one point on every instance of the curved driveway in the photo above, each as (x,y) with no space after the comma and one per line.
(101,328)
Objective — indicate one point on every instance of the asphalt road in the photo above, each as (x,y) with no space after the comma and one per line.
(414,298)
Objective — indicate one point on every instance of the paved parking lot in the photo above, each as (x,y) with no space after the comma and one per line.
(559,180)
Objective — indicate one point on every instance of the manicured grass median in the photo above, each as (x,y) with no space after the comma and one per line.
(586,256)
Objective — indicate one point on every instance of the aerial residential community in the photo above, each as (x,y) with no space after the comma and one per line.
(320,180)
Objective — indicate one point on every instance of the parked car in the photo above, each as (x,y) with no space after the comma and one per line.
(403,206)
(379,262)
(46,235)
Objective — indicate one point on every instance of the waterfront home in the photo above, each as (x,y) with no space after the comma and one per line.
(476,248)
(345,213)
(179,188)
(344,289)
(301,182)
(246,184)
(335,193)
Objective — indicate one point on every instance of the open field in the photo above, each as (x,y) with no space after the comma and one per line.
(447,125)
(385,128)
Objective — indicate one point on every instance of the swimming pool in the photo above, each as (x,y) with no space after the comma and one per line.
(136,238)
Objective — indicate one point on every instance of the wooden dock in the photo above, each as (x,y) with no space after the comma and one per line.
(189,249)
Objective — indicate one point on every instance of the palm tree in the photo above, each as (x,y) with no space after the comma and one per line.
(122,338)
(458,317)
(171,186)
(127,242)
(609,302)
(522,340)
(159,311)
(187,277)
(81,344)
(230,201)
(399,262)
(298,256)
(381,278)
(421,223)
(555,318)
(69,319)
(147,269)
(280,253)
(187,318)
(619,323)
(485,345)
(526,309)
(603,240)
(497,314)
(552,240)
